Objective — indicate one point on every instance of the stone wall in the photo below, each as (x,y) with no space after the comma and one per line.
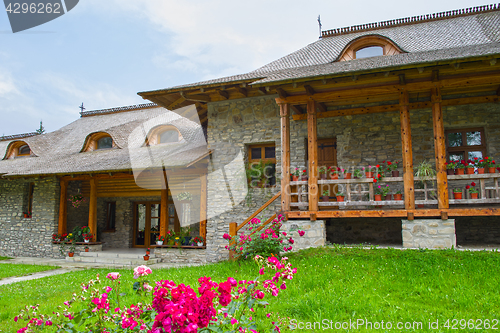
(364,230)
(429,234)
(29,237)
(314,236)
(181,256)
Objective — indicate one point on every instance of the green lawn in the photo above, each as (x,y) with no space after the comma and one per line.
(9,270)
(332,284)
(4,258)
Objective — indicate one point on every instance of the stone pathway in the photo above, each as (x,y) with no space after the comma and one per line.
(34,276)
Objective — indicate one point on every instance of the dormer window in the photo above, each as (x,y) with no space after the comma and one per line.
(163,134)
(369,51)
(99,141)
(369,46)
(18,149)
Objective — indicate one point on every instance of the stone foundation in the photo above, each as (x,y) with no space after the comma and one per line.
(315,233)
(181,256)
(78,248)
(429,234)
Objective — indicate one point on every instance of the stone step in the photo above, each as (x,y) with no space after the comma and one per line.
(112,255)
(113,261)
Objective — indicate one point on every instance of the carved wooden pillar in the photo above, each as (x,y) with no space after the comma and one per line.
(285,157)
(63,208)
(312,142)
(93,208)
(440,148)
(409,186)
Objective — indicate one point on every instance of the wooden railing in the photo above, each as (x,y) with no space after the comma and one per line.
(234,227)
(361,192)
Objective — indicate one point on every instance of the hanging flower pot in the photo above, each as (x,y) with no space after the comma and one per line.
(378,197)
(395,173)
(347,175)
(470,171)
(480,170)
(491,170)
(398,196)
(473,195)
(457,195)
(459,171)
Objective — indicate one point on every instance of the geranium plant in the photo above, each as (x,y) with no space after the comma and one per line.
(77,200)
(160,238)
(184,196)
(471,188)
(382,190)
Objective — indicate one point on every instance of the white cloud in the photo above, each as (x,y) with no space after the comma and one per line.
(7,85)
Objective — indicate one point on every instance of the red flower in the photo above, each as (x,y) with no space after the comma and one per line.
(378,165)
(304,170)
(493,162)
(379,176)
(376,180)
(473,184)
(467,187)
(476,158)
(384,162)
(389,163)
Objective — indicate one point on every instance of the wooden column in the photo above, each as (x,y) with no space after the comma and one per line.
(93,208)
(440,148)
(312,142)
(232,232)
(409,186)
(164,212)
(203,207)
(63,206)
(285,157)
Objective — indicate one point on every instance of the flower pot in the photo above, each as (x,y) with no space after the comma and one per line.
(86,250)
(378,197)
(71,254)
(86,240)
(304,178)
(470,171)
(199,244)
(340,198)
(347,175)
(459,171)
(398,196)
(450,172)
(146,258)
(369,174)
(388,197)
(480,170)
(334,176)
(491,170)
(295,178)
(176,244)
(473,195)
(187,240)
(159,242)
(26,216)
(395,173)
(325,198)
(457,195)
(322,176)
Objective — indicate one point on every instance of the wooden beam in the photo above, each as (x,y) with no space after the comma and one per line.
(232,232)
(410,216)
(224,94)
(321,107)
(63,204)
(402,80)
(435,75)
(176,103)
(281,93)
(498,91)
(203,208)
(404,114)
(309,90)
(93,209)
(439,148)
(312,140)
(197,98)
(285,157)
(262,90)
(242,91)
(444,215)
(164,212)
(298,110)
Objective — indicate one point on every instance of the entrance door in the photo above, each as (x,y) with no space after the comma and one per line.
(327,156)
(147,223)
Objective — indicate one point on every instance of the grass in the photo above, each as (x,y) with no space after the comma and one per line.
(334,284)
(4,258)
(10,270)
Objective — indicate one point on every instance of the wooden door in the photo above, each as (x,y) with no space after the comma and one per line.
(327,156)
(146,223)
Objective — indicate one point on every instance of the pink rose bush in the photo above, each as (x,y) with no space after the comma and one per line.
(261,240)
(228,306)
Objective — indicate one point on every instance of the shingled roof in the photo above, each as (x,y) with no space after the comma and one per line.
(447,36)
(59,152)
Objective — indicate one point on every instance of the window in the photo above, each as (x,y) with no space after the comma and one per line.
(169,136)
(262,164)
(18,149)
(110,215)
(29,189)
(105,143)
(369,51)
(24,150)
(465,144)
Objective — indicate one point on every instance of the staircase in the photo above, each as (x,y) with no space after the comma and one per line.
(113,258)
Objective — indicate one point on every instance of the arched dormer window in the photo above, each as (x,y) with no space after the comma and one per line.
(98,141)
(369,46)
(18,149)
(163,134)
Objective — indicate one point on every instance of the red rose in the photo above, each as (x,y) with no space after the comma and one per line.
(374,180)
(378,165)
(473,184)
(493,162)
(476,158)
(389,163)
(467,187)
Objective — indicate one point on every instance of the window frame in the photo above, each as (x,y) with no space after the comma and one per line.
(19,151)
(263,147)
(465,148)
(109,227)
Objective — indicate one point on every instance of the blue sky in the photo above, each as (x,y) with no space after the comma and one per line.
(105,51)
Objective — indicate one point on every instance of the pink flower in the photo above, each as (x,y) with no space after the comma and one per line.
(234,321)
(261,271)
(142,271)
(113,276)
(301,233)
(226,236)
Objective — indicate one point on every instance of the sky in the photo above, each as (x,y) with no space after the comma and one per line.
(103,52)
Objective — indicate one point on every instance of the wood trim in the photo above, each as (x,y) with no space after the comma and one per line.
(92,139)
(270,201)
(285,156)
(262,153)
(63,204)
(164,212)
(465,148)
(93,209)
(388,46)
(452,212)
(439,148)
(312,146)
(203,208)
(406,145)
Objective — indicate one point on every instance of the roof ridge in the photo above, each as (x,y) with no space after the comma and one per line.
(17,136)
(411,20)
(118,109)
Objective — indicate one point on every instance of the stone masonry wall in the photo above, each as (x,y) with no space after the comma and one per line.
(181,256)
(29,237)
(429,234)
(315,234)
